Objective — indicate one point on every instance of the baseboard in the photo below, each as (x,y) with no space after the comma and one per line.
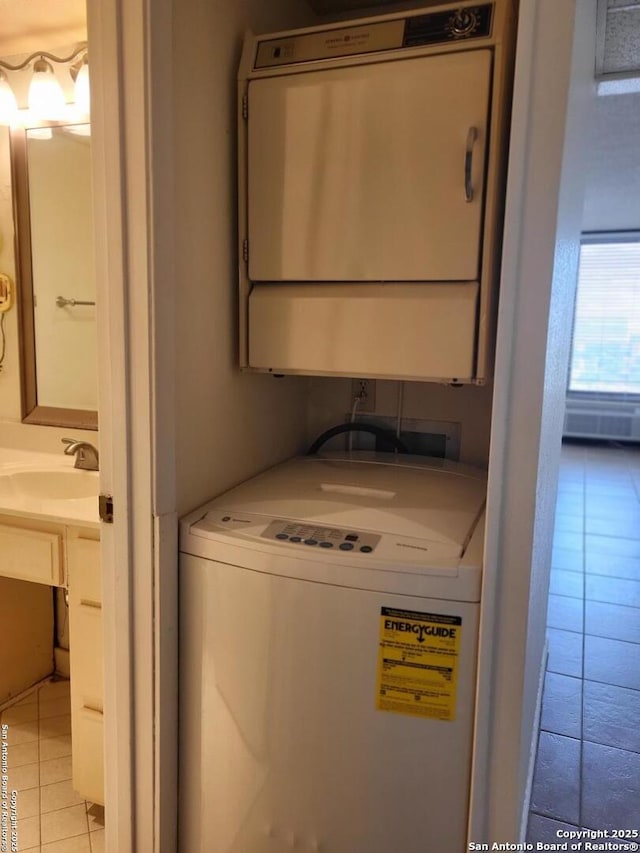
(524,819)
(13,700)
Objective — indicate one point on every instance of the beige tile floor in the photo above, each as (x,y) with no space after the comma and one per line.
(52,817)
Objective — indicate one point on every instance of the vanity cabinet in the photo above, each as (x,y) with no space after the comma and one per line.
(86,656)
(31,562)
(36,555)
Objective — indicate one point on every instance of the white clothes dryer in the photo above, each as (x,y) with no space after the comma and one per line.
(328,644)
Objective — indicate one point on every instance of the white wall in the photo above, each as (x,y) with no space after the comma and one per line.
(229,425)
(27,27)
(543,219)
(612,199)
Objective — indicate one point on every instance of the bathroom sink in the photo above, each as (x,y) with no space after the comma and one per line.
(53,485)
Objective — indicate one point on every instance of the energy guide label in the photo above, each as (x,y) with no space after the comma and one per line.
(418,663)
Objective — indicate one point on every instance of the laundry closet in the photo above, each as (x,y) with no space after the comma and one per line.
(371,166)
(209,405)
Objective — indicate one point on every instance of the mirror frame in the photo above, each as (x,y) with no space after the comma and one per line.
(32,413)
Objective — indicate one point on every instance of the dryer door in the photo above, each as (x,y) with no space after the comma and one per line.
(370,172)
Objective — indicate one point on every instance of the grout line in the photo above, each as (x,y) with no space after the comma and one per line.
(574,597)
(570,631)
(609,746)
(39,780)
(557,819)
(562,734)
(593,574)
(612,603)
(581,776)
(612,639)
(606,683)
(582,662)
(613,536)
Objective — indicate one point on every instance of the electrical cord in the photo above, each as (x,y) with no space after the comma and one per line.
(3,336)
(384,437)
(356,403)
(400,407)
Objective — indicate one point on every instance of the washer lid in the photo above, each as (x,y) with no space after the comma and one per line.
(405,497)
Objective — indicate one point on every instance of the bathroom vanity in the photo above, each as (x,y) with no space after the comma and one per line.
(50,537)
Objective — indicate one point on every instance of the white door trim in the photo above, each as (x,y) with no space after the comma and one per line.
(111,275)
(140,668)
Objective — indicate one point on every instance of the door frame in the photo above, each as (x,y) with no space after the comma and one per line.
(130,44)
(554,87)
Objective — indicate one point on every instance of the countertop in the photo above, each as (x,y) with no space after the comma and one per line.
(74,511)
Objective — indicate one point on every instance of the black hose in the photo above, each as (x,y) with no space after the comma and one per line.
(383,436)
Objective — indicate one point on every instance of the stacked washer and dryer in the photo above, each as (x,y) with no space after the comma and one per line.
(329,607)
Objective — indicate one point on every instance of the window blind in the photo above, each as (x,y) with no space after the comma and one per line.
(605,358)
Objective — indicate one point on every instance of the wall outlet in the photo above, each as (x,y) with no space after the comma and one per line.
(365,391)
(6,292)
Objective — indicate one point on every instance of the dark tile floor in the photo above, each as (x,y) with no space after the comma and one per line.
(587,771)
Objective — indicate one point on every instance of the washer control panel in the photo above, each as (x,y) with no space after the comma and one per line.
(316,536)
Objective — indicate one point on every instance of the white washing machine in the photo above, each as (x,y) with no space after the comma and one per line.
(328,638)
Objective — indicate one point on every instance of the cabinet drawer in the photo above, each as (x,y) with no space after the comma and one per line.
(85,575)
(87,681)
(87,757)
(86,651)
(31,555)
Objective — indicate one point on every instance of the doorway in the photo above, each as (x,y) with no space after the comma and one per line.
(588,760)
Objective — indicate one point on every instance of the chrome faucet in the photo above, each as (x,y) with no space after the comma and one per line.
(86,454)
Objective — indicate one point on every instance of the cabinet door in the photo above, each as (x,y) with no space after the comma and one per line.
(29,553)
(86,657)
(360,173)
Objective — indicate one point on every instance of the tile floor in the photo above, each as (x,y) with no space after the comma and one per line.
(587,771)
(52,818)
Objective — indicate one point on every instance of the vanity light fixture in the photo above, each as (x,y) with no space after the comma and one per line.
(80,74)
(46,98)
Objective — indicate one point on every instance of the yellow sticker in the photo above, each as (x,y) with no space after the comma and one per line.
(418,663)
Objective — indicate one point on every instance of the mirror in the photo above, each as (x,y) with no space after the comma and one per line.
(51,168)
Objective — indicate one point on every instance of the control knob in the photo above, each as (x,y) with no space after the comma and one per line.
(464,22)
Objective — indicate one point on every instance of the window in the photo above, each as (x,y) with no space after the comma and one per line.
(605,356)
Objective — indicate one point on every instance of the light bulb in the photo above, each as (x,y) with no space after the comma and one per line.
(40,133)
(81,88)
(78,129)
(46,98)
(8,103)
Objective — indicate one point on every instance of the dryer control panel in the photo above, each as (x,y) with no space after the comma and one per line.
(434,28)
